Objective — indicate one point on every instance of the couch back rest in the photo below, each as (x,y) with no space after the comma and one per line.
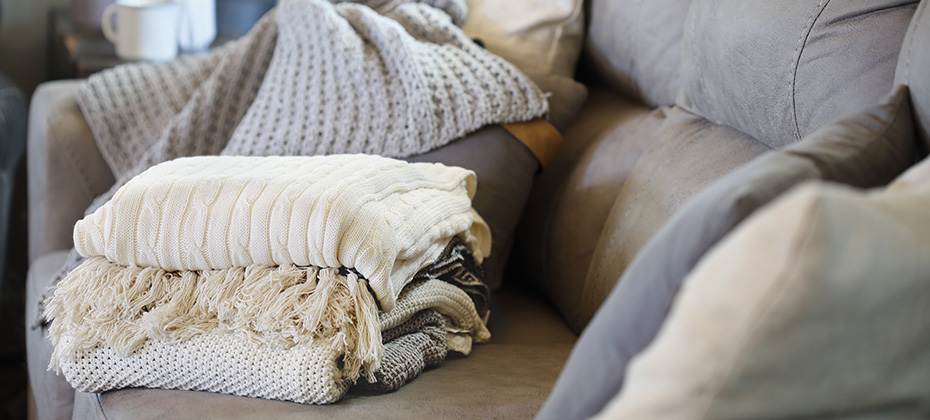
(914,71)
(633,45)
(778,70)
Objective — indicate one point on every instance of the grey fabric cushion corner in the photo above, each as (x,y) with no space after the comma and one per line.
(759,66)
(505,170)
(635,46)
(572,197)
(914,70)
(565,96)
(814,308)
(864,149)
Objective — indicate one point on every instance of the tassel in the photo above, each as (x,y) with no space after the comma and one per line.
(104,304)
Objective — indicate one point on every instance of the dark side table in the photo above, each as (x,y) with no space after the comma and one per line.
(75,51)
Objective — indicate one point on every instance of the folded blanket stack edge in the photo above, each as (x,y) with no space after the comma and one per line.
(101,303)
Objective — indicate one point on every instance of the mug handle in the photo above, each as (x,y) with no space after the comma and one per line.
(106,23)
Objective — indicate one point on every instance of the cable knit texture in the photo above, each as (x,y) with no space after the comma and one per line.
(383,217)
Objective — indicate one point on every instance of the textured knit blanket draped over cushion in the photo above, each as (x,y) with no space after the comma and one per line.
(393,78)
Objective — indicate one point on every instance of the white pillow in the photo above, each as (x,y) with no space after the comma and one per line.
(815,307)
(542,36)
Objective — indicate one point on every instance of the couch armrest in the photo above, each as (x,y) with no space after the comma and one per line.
(66,169)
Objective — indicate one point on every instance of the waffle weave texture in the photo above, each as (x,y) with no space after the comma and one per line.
(394,78)
(237,364)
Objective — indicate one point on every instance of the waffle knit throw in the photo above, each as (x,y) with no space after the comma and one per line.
(389,77)
(292,251)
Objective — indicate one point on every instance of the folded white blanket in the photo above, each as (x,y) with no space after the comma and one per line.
(385,218)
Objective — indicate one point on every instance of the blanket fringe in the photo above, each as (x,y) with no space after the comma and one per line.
(105,304)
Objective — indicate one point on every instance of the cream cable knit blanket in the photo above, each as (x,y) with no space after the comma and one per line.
(246,233)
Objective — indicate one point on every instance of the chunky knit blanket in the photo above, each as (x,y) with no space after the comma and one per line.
(389,77)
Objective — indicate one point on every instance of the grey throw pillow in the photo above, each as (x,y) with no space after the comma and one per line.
(863,149)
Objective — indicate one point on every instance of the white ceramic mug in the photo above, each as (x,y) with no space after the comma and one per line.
(198,24)
(145,29)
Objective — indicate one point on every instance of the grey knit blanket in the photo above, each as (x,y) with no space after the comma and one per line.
(409,348)
(394,78)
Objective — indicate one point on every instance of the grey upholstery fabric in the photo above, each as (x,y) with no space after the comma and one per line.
(635,45)
(565,95)
(779,70)
(688,154)
(66,170)
(914,71)
(52,394)
(864,149)
(12,143)
(506,379)
(571,199)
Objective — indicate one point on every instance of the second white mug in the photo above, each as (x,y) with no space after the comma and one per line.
(145,29)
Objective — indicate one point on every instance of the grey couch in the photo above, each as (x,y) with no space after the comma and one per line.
(684,94)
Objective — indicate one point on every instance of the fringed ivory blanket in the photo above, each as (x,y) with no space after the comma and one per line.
(205,251)
(237,364)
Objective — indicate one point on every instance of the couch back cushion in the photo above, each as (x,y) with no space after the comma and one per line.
(634,46)
(778,70)
(914,71)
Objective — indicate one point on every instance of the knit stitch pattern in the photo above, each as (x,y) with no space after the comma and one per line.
(409,348)
(394,78)
(235,363)
(230,363)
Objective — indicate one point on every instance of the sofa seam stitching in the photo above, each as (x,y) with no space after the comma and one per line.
(697,63)
(796,59)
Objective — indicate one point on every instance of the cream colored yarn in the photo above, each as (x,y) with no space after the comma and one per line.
(236,363)
(383,217)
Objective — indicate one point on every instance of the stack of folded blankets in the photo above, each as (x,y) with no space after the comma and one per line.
(288,278)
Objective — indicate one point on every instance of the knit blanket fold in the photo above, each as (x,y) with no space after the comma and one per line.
(395,78)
